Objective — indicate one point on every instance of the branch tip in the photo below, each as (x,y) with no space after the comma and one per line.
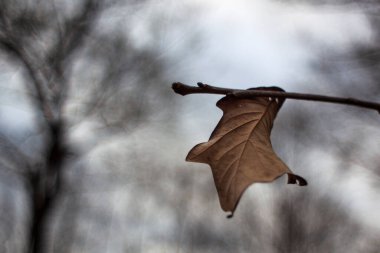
(175,85)
(178,88)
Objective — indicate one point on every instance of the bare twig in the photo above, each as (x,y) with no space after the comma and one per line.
(184,90)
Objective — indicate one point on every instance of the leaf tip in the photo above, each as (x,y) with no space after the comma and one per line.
(189,157)
(294,179)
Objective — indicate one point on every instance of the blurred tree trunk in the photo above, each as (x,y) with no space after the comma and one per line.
(45,188)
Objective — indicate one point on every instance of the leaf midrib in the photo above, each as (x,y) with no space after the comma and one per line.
(245,145)
(254,127)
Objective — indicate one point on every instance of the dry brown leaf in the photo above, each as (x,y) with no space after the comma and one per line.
(239,150)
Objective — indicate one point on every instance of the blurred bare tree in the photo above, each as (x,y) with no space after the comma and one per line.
(77,70)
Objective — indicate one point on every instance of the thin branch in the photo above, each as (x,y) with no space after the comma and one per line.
(12,44)
(73,32)
(184,90)
(21,55)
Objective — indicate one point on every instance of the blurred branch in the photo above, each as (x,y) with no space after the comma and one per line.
(71,37)
(12,45)
(184,90)
(20,162)
(21,55)
(74,31)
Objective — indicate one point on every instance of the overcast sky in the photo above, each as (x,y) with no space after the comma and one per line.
(265,42)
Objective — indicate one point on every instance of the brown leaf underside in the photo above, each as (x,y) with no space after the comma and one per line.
(239,150)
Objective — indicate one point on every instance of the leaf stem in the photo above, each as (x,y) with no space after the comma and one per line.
(184,90)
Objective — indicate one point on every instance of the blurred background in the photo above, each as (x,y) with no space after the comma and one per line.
(93,139)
